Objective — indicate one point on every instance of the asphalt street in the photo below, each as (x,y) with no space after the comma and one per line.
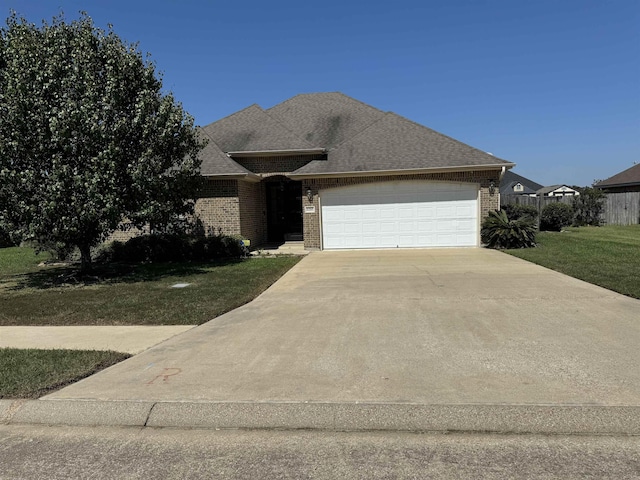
(44,452)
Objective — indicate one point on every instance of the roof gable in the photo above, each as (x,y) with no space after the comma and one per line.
(510,189)
(562,188)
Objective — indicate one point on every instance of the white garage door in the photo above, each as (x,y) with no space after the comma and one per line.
(400,214)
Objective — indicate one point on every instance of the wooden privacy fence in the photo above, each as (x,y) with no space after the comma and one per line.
(622,209)
(619,208)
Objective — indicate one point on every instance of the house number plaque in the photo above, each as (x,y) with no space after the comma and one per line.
(309,209)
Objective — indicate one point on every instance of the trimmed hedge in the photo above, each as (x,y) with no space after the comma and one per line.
(556,216)
(173,248)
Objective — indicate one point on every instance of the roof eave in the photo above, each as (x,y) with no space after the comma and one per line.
(616,185)
(245,177)
(411,171)
(274,153)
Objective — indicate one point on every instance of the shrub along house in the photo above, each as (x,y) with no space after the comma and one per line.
(336,173)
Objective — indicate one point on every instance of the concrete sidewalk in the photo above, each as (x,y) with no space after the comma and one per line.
(455,339)
(127,339)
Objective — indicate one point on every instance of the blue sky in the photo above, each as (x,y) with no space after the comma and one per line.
(552,85)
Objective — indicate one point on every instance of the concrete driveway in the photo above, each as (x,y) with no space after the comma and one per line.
(446,326)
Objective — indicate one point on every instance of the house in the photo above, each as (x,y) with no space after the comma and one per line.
(335,173)
(557,191)
(625,181)
(514,184)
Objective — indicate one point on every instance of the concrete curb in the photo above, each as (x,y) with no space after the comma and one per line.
(535,419)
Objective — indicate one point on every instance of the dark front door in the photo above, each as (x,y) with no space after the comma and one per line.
(284,210)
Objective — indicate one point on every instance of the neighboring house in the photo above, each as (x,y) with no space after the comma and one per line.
(336,173)
(514,184)
(625,181)
(557,191)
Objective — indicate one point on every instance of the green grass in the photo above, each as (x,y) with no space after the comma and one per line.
(14,260)
(129,294)
(33,373)
(607,256)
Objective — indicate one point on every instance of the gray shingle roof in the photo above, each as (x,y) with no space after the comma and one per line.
(325,119)
(357,137)
(252,129)
(395,143)
(507,189)
(215,161)
(511,178)
(630,176)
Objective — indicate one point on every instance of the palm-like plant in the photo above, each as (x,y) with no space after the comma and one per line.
(500,232)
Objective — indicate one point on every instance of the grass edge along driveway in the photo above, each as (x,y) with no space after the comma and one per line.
(51,295)
(607,256)
(130,294)
(29,373)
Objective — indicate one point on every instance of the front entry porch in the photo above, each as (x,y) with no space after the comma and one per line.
(284,209)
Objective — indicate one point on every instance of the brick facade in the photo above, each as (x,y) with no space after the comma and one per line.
(253,211)
(236,207)
(219,207)
(312,231)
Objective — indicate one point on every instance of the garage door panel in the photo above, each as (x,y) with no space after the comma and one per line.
(407,240)
(429,239)
(400,214)
(447,239)
(387,241)
(446,225)
(370,241)
(406,212)
(388,211)
(425,211)
(445,211)
(388,227)
(370,213)
(407,227)
(352,229)
(425,226)
(464,211)
(465,225)
(352,214)
(334,229)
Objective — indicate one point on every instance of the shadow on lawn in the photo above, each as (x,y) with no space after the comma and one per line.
(104,274)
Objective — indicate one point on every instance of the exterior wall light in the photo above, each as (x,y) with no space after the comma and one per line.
(492,187)
(309,194)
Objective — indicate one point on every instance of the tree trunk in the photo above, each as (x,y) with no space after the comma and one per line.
(85,258)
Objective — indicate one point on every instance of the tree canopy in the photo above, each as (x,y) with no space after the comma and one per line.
(87,137)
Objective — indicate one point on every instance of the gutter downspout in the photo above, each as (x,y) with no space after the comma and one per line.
(502,172)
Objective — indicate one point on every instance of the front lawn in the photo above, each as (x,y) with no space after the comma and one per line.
(607,256)
(129,294)
(33,373)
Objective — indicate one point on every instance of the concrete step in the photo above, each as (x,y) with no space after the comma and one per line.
(286,248)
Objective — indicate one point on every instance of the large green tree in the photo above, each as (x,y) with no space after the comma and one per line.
(87,137)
